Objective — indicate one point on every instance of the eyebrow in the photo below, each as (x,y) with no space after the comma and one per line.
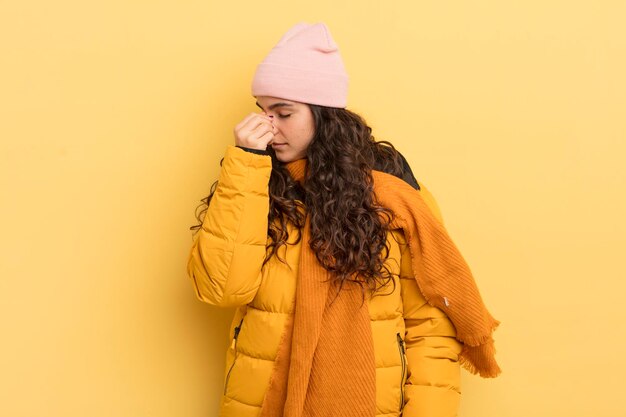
(280,104)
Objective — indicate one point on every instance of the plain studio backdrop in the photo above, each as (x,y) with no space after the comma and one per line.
(114,116)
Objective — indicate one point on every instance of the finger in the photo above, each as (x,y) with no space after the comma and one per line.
(252,116)
(245,120)
(267,138)
(261,132)
(255,122)
(262,128)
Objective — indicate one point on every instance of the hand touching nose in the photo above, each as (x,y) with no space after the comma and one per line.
(255,131)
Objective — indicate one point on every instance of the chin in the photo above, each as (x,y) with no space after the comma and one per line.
(282,157)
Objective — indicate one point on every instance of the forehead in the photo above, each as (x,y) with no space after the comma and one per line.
(275,102)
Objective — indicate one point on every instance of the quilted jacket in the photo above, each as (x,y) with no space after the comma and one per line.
(416,352)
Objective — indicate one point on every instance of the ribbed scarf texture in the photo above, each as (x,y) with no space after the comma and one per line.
(325,361)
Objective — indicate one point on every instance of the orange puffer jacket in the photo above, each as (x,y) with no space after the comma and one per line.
(416,352)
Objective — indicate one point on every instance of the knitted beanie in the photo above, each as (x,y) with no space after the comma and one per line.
(305,66)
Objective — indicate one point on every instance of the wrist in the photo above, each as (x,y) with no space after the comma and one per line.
(254,150)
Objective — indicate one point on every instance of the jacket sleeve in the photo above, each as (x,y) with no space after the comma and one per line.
(433,385)
(227,253)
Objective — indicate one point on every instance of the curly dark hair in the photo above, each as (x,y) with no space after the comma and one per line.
(348,228)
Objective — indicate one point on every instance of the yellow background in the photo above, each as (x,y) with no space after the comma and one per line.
(115,116)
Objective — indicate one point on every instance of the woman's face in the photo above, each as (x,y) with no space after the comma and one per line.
(294,124)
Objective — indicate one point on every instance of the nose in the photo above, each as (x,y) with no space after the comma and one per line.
(272,117)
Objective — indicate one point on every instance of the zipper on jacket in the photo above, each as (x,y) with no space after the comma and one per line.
(234,346)
(404,368)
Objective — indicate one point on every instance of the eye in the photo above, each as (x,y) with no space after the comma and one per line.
(284,116)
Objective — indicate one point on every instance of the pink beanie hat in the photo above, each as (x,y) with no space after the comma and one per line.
(304,66)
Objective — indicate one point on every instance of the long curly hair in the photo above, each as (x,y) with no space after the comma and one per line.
(348,228)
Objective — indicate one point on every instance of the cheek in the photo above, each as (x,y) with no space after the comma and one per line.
(298,129)
(305,127)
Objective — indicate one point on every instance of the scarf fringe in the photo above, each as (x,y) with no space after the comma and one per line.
(479,359)
(477,340)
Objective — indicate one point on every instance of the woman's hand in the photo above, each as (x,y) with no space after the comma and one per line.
(256,131)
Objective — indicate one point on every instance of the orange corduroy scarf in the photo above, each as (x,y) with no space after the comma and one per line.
(325,361)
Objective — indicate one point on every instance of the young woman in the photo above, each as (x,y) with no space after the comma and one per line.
(330,318)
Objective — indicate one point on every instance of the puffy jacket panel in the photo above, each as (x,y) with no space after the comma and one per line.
(229,248)
(432,350)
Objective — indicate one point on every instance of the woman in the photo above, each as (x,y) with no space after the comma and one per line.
(330,318)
